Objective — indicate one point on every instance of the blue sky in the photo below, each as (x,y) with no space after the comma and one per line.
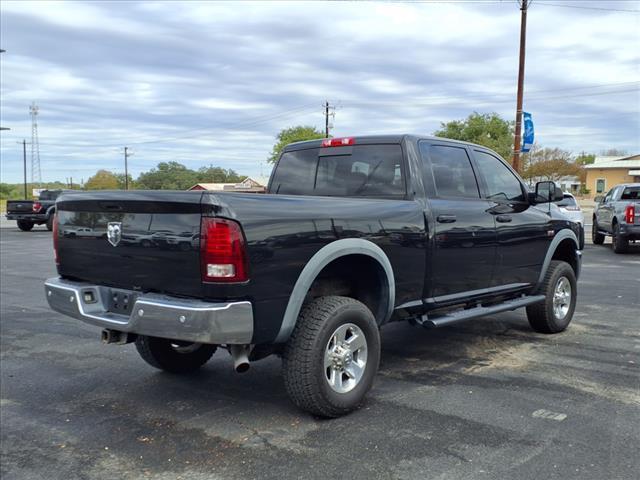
(213,83)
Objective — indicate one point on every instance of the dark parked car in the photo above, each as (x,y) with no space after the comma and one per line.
(353,233)
(28,213)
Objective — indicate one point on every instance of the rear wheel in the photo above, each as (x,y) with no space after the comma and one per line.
(25,225)
(173,355)
(332,357)
(618,242)
(50,222)
(559,287)
(596,237)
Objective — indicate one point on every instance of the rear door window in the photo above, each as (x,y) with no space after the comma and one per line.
(375,171)
(452,171)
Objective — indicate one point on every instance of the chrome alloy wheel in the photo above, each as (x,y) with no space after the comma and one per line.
(562,298)
(345,358)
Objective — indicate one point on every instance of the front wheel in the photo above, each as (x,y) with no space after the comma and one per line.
(559,287)
(618,242)
(173,355)
(332,357)
(25,225)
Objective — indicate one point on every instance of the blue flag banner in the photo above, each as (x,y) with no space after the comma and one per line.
(527,137)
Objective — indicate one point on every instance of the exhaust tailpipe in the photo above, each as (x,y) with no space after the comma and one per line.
(109,336)
(240,355)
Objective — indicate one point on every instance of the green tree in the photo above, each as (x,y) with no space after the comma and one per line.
(102,180)
(167,176)
(121,182)
(585,159)
(294,134)
(550,164)
(213,174)
(487,129)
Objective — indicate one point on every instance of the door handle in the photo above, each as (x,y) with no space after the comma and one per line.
(503,218)
(446,218)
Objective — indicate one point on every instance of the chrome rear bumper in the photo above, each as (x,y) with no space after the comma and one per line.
(153,314)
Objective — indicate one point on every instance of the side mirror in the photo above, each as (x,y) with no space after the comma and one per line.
(598,198)
(547,192)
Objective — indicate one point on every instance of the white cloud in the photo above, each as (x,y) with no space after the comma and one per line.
(213,82)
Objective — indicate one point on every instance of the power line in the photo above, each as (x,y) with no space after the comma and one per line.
(584,7)
(495,98)
(203,132)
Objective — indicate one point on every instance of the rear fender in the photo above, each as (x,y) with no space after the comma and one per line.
(324,256)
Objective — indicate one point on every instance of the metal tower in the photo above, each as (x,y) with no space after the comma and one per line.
(36,173)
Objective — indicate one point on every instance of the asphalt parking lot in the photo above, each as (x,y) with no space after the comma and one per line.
(488,399)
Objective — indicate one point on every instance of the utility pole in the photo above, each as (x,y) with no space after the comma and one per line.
(126,167)
(24,165)
(524,5)
(328,111)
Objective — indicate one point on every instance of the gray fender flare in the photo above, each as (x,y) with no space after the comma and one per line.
(324,256)
(51,210)
(560,236)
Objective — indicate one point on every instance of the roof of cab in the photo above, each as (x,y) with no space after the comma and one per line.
(374,139)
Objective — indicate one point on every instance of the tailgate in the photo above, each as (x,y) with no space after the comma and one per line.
(19,206)
(148,241)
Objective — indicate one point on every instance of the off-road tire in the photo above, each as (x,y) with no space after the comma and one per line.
(596,237)
(619,243)
(541,315)
(159,353)
(303,358)
(50,222)
(25,225)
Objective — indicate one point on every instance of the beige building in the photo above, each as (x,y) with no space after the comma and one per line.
(248,185)
(606,172)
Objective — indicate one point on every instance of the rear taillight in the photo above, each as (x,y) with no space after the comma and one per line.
(36,206)
(571,208)
(55,239)
(338,142)
(630,214)
(222,251)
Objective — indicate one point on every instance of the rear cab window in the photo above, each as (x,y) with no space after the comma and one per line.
(630,193)
(370,170)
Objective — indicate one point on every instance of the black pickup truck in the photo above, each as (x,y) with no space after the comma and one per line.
(352,234)
(28,213)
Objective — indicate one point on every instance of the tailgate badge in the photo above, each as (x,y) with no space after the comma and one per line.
(114,232)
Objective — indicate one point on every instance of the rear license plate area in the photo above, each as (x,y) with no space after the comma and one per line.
(121,302)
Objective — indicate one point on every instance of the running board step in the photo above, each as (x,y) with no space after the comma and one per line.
(464,315)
